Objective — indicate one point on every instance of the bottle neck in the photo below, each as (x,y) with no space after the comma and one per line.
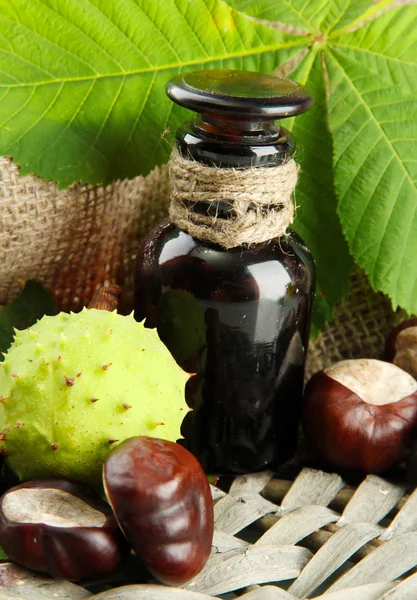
(250,131)
(223,142)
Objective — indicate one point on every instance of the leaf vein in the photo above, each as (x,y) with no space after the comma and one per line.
(74,116)
(361,166)
(42,37)
(12,116)
(114,24)
(102,48)
(377,124)
(52,80)
(378,54)
(352,140)
(195,36)
(61,87)
(111,107)
(339,19)
(159,68)
(148,93)
(371,197)
(299,13)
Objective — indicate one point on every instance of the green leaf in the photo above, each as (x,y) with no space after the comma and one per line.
(373,108)
(82,82)
(286,11)
(32,303)
(370,71)
(317,17)
(317,221)
(3,555)
(347,24)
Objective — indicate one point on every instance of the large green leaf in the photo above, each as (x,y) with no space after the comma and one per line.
(317,221)
(315,18)
(82,81)
(373,118)
(371,77)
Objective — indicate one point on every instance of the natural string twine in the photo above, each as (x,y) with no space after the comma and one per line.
(260,200)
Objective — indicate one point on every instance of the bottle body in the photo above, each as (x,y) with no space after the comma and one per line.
(239,319)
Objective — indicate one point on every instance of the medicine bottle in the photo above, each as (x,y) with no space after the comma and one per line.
(227,283)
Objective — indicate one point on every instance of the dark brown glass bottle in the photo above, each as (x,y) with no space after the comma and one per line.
(238,318)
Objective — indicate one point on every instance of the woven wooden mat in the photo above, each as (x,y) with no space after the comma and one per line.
(311,538)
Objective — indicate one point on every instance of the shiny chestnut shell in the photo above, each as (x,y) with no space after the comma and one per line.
(61,528)
(162,501)
(349,431)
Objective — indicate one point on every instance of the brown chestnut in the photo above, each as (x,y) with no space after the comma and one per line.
(162,501)
(61,528)
(401,346)
(361,414)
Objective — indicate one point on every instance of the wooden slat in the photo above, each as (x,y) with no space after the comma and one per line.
(267,592)
(149,592)
(223,542)
(16,582)
(296,525)
(239,568)
(250,484)
(332,555)
(216,493)
(386,563)
(234,513)
(371,591)
(373,499)
(312,487)
(405,520)
(406,590)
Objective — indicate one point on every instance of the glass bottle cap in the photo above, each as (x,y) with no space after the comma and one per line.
(239,94)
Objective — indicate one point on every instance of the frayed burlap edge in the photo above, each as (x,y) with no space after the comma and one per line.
(74,240)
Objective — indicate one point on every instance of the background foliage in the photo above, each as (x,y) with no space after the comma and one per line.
(82,99)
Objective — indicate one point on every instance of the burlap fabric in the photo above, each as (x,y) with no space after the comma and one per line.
(78,239)
(359,329)
(73,240)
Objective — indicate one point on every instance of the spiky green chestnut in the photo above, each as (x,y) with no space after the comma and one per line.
(75,385)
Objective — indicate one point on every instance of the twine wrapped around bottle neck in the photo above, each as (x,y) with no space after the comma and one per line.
(258,201)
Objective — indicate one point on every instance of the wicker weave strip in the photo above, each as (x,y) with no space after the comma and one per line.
(234,513)
(331,556)
(373,499)
(297,524)
(371,591)
(404,521)
(312,487)
(406,589)
(388,562)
